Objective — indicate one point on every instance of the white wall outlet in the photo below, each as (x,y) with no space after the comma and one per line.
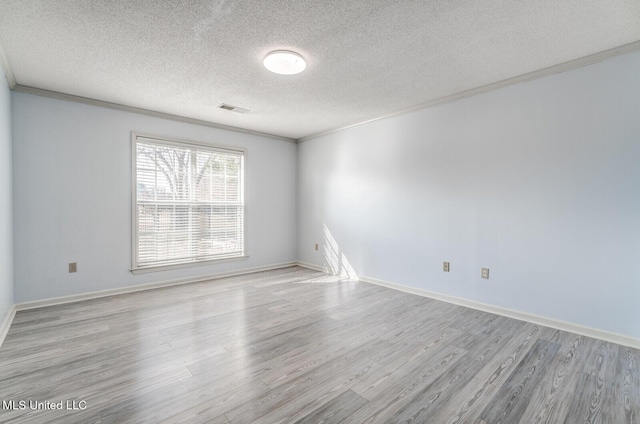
(485,273)
(445,266)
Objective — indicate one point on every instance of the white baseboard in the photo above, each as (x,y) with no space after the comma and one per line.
(6,323)
(141,287)
(312,266)
(510,313)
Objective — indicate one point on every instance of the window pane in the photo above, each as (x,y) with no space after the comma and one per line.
(189,204)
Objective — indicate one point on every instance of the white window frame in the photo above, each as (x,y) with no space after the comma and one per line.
(135,268)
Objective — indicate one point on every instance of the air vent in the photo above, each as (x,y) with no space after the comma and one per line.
(232,108)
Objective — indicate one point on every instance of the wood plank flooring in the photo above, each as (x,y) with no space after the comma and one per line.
(297,346)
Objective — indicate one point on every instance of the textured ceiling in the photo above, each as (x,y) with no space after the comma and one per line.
(366,58)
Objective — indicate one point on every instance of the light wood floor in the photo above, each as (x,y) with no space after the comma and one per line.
(294,345)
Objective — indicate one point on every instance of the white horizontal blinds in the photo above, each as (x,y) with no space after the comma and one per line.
(189,203)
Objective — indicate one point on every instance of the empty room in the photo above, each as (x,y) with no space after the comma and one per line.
(221,211)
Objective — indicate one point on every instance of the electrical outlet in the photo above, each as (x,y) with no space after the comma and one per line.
(485,273)
(316,246)
(73,267)
(445,266)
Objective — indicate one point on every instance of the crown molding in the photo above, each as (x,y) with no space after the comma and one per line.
(8,73)
(117,106)
(555,69)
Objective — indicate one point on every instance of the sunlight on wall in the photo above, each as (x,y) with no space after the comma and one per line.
(334,259)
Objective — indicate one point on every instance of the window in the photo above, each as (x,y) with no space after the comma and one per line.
(189,203)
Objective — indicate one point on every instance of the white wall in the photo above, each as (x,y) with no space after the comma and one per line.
(72,196)
(540,182)
(6,226)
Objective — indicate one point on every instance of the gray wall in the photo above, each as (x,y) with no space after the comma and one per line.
(540,182)
(72,196)
(6,226)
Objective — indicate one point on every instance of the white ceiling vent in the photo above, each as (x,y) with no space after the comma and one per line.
(233,108)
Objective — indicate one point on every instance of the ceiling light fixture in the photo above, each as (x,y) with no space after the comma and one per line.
(284,62)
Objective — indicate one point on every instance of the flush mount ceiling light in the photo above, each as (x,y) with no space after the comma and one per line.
(284,62)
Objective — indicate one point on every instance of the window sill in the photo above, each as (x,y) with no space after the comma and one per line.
(157,268)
